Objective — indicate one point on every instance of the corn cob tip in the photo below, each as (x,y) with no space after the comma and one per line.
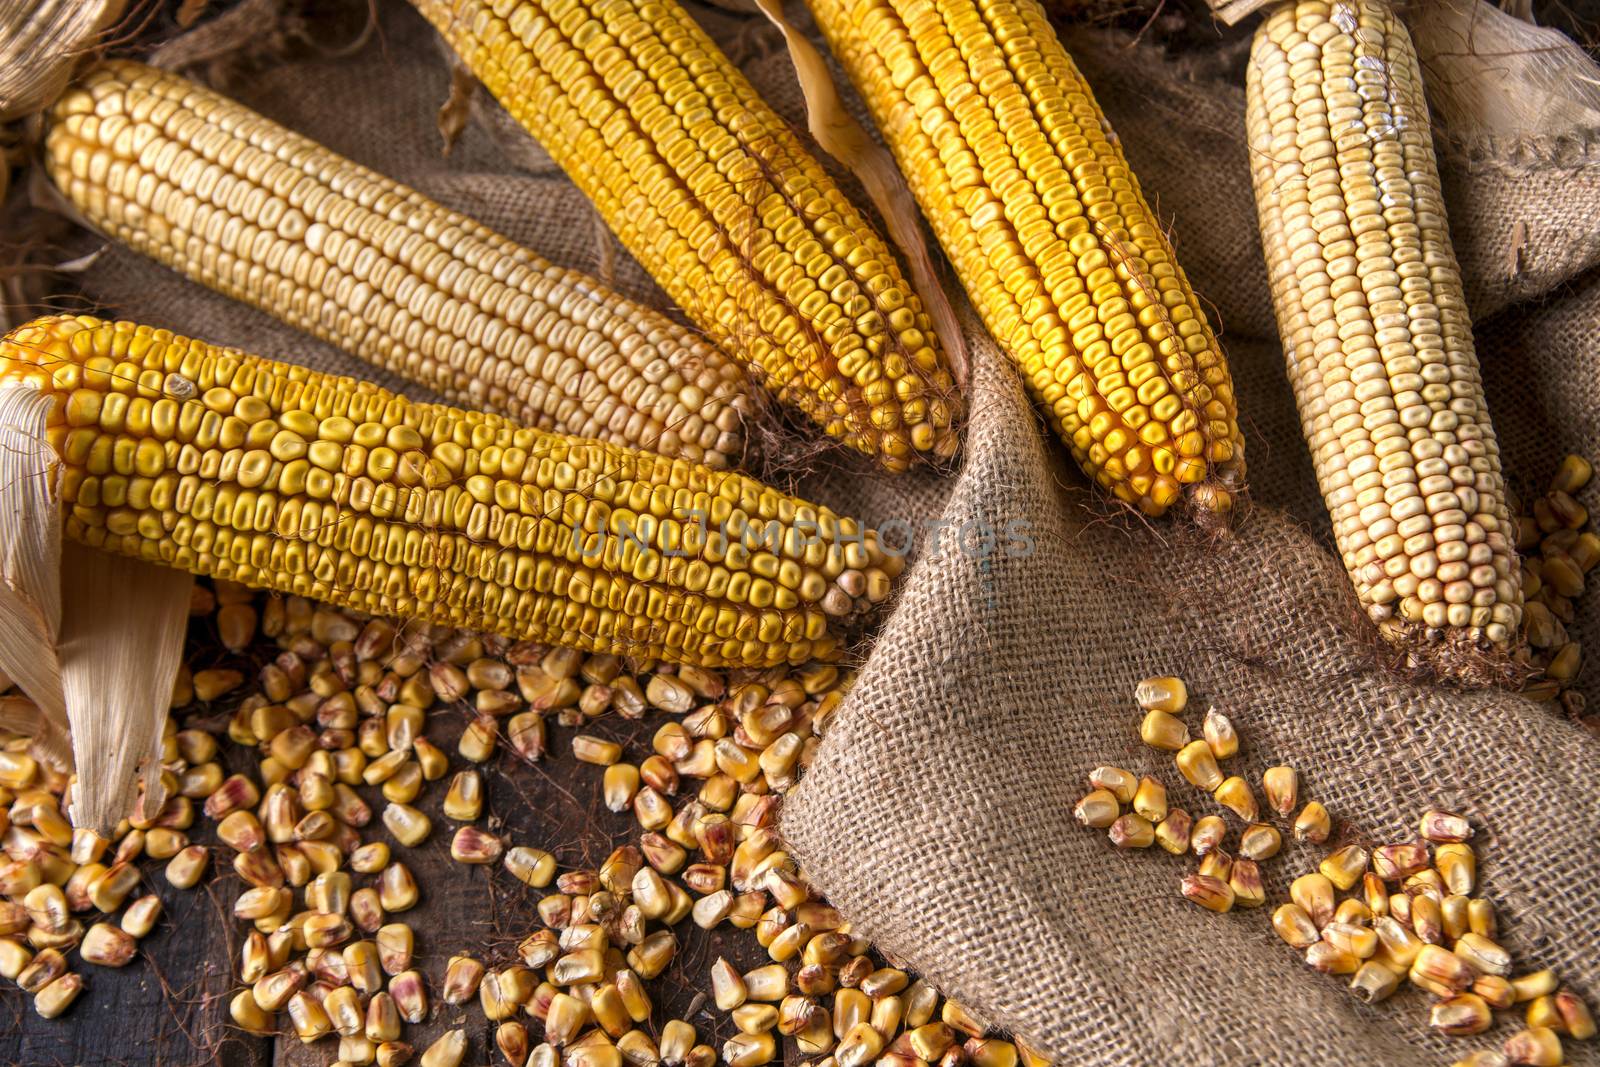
(1460,657)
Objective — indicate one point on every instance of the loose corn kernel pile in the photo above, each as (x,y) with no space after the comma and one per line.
(1225,878)
(1559,548)
(1410,914)
(337,721)
(1411,917)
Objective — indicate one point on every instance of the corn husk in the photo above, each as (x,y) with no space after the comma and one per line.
(1490,73)
(40,43)
(846,140)
(93,641)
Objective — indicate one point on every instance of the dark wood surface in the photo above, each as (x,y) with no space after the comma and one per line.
(169,1007)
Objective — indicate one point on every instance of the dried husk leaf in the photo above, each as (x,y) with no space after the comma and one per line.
(1490,73)
(457,108)
(843,138)
(30,564)
(40,42)
(122,630)
(94,641)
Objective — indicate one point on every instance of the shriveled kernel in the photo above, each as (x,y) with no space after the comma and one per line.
(1295,927)
(1198,765)
(1219,734)
(1281,786)
(1098,810)
(1314,894)
(1374,982)
(1536,1046)
(1313,824)
(1150,801)
(1217,864)
(1162,693)
(1208,835)
(1235,794)
(1245,880)
(1444,826)
(1173,833)
(1132,831)
(1209,892)
(1162,730)
(1118,782)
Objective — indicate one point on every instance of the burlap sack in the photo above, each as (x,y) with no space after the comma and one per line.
(937,814)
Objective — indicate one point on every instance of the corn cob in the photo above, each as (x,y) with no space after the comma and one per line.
(255,211)
(224,464)
(1011,160)
(714,194)
(1372,314)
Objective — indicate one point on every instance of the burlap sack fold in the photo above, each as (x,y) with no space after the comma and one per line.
(937,814)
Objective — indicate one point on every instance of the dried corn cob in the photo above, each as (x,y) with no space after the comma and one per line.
(1371,310)
(1015,169)
(715,195)
(238,203)
(224,464)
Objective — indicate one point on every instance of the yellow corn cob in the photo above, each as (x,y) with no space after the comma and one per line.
(224,464)
(714,194)
(1012,162)
(238,203)
(1372,314)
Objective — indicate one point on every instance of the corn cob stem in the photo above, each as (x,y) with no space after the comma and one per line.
(1372,313)
(234,201)
(715,195)
(224,464)
(1016,171)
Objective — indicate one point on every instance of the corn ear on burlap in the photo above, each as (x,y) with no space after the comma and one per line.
(938,815)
